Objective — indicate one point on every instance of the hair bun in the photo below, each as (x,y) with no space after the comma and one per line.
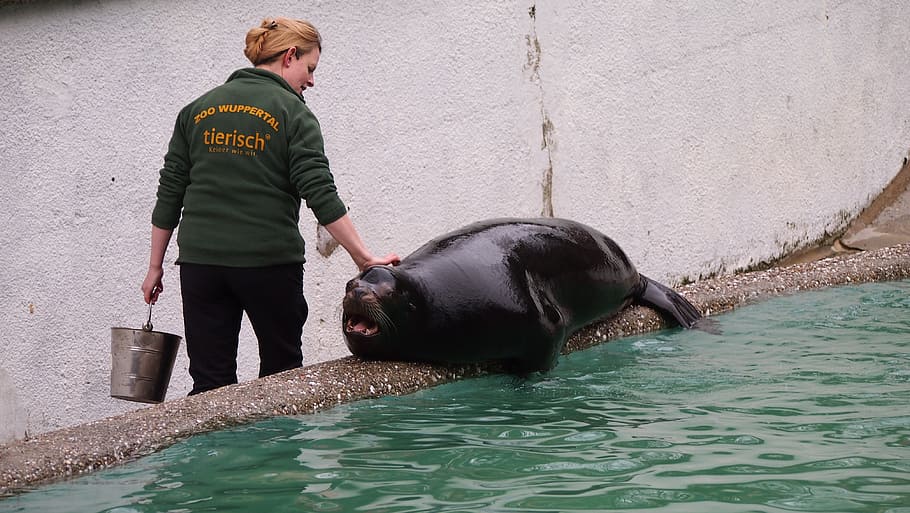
(275,35)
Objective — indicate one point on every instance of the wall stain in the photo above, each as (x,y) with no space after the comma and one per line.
(548,139)
(787,254)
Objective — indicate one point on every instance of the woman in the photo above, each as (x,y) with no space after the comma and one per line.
(241,159)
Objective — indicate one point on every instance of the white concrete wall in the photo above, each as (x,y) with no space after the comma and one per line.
(704,136)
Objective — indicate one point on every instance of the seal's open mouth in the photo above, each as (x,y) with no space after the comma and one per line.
(362,325)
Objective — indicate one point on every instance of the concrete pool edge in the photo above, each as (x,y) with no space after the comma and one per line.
(107,442)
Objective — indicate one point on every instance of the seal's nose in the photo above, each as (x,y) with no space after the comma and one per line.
(356,290)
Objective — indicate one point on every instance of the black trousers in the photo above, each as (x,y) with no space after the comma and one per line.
(214,299)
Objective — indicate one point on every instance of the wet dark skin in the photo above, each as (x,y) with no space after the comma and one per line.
(510,290)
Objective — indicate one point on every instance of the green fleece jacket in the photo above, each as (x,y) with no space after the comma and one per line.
(241,158)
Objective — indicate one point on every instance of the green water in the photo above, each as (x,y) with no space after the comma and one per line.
(803,404)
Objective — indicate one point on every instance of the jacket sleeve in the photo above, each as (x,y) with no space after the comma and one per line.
(173,180)
(309,169)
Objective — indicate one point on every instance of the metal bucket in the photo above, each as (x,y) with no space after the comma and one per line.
(141,363)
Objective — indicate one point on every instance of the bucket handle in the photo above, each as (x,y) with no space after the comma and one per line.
(148,324)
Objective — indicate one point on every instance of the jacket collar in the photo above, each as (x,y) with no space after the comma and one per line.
(266,75)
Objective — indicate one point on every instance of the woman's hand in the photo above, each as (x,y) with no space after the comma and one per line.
(390,259)
(151,286)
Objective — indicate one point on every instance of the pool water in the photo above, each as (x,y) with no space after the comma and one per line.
(802,404)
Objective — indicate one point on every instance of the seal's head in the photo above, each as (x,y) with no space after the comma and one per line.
(375,313)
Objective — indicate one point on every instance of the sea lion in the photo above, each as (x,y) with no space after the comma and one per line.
(511,290)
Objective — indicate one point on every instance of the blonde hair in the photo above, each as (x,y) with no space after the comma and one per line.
(275,36)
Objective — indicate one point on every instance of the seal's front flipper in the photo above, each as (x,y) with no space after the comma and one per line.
(668,302)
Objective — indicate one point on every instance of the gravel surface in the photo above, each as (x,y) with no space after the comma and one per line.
(84,448)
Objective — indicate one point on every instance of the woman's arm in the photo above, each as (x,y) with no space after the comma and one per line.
(152,285)
(344,232)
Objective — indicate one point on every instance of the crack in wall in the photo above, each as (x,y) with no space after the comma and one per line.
(548,138)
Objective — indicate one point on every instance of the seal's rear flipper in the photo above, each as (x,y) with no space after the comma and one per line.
(668,302)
